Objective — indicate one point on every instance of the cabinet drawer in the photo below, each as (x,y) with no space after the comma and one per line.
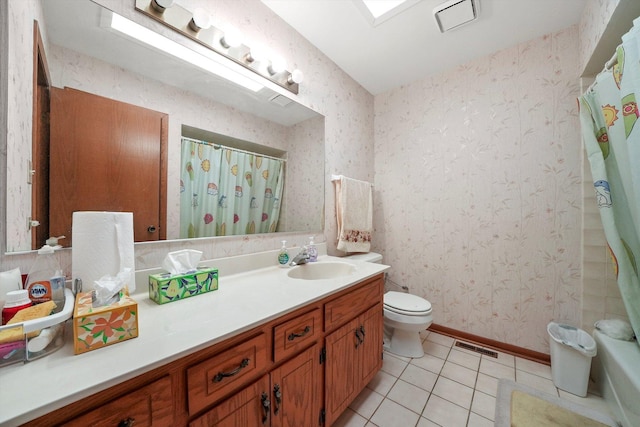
(219,375)
(151,405)
(244,408)
(344,308)
(291,336)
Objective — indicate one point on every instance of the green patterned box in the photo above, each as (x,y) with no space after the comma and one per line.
(164,288)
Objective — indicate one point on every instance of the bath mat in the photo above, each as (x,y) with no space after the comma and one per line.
(520,406)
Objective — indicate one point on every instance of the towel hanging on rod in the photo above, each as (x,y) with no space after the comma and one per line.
(354,214)
(340,177)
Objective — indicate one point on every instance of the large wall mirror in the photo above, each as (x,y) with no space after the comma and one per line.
(85,54)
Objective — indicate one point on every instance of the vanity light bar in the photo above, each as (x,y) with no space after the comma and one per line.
(184,22)
(157,41)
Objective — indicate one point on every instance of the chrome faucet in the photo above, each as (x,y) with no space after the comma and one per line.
(301,258)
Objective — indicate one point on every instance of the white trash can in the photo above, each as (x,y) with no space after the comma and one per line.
(571,352)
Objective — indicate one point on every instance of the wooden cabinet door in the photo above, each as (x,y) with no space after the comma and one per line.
(246,408)
(341,370)
(370,352)
(149,406)
(106,155)
(295,391)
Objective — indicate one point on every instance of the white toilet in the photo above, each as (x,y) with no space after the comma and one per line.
(405,315)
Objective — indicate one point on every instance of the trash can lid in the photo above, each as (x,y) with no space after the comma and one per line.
(572,337)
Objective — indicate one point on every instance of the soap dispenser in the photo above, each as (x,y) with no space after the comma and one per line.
(283,255)
(312,250)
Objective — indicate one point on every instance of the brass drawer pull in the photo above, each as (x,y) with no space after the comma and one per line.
(359,338)
(129,422)
(266,407)
(278,395)
(222,375)
(292,336)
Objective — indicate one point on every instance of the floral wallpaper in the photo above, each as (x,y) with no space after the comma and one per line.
(595,17)
(478,191)
(476,170)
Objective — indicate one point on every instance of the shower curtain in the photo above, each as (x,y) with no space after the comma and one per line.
(225,192)
(609,115)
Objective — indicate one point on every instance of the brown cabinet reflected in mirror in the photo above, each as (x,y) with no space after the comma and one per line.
(106,155)
(39,173)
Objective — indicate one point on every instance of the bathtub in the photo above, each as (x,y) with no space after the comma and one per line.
(616,372)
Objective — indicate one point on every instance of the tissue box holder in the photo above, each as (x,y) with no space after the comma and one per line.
(164,288)
(102,326)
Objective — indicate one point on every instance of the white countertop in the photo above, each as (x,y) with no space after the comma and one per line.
(166,333)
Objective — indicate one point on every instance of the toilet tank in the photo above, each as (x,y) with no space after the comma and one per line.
(367,257)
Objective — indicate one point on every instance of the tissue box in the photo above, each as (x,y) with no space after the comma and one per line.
(102,326)
(164,288)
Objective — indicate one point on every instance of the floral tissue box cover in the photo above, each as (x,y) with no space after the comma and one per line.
(97,327)
(164,288)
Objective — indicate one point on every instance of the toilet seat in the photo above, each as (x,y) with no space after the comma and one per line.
(406,304)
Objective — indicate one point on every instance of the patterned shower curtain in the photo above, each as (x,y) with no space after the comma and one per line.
(609,115)
(225,192)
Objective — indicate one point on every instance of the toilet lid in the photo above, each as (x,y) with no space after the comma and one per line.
(403,303)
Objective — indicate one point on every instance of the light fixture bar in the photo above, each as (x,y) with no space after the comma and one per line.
(160,42)
(178,18)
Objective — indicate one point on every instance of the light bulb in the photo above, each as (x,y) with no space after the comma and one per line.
(201,20)
(277,65)
(296,77)
(161,5)
(256,54)
(231,38)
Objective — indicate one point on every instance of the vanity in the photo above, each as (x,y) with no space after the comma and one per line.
(266,348)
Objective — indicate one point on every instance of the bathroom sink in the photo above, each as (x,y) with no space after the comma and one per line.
(321,270)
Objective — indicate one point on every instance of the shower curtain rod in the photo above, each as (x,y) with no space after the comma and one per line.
(607,66)
(611,62)
(219,146)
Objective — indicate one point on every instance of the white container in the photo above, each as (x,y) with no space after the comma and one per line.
(571,352)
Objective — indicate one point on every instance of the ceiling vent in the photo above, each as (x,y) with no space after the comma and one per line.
(455,13)
(280,100)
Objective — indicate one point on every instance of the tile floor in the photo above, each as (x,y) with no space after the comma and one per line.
(448,386)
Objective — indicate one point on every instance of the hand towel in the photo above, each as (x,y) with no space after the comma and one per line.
(354,213)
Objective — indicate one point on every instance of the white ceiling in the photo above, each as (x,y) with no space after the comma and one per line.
(409,46)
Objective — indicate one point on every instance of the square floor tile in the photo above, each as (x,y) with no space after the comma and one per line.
(392,365)
(476,420)
(409,396)
(503,359)
(445,413)
(366,403)
(382,383)
(441,339)
(534,381)
(429,362)
(487,384)
(435,349)
(397,356)
(390,414)
(419,377)
(496,369)
(468,360)
(350,418)
(454,392)
(426,423)
(459,374)
(534,368)
(484,405)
